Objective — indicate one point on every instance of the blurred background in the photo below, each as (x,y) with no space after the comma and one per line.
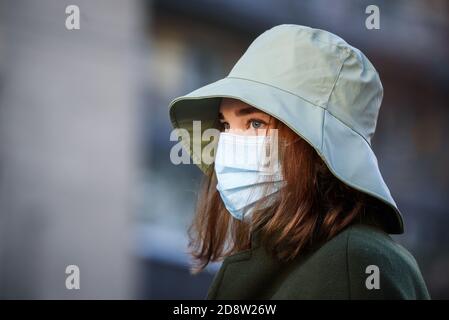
(85,173)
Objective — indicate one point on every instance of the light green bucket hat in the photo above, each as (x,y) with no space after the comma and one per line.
(325,90)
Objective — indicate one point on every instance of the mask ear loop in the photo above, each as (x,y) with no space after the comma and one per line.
(268,149)
(284,144)
(292,142)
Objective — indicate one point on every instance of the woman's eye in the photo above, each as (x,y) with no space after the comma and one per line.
(256,124)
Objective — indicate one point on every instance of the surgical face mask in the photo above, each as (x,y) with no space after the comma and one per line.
(247,170)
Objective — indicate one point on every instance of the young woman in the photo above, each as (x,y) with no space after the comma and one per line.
(314,221)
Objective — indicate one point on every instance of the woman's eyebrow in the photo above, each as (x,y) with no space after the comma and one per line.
(246,111)
(242,112)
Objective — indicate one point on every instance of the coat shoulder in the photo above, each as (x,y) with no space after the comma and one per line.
(379,267)
(361,262)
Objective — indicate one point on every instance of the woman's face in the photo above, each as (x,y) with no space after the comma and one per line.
(240,118)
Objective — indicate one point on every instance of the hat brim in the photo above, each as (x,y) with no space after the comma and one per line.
(345,152)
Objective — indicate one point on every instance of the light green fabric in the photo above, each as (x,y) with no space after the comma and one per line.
(325,90)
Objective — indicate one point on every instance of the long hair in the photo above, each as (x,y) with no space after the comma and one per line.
(311,208)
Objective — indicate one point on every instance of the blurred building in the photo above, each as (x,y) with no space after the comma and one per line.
(197,42)
(85,173)
(68,151)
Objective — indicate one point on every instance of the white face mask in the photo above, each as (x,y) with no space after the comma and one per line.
(247,170)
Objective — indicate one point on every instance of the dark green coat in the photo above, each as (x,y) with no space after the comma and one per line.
(336,270)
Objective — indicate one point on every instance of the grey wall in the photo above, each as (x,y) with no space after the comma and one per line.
(67,147)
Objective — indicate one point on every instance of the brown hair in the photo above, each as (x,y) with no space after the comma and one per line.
(312,208)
